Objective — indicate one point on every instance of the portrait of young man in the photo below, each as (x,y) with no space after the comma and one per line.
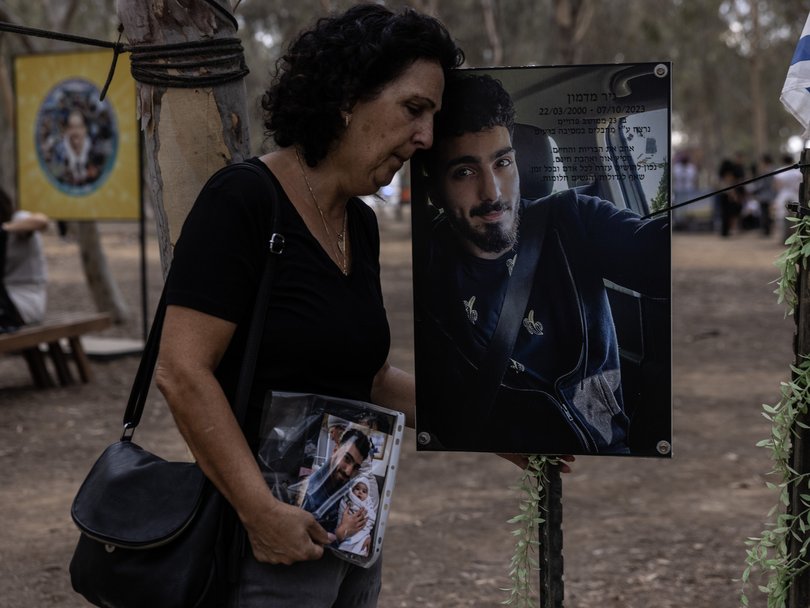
(322,491)
(516,345)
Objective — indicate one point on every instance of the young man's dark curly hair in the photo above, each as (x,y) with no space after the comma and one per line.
(471,103)
(341,61)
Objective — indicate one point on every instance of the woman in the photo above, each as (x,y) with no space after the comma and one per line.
(730,202)
(23,288)
(353,99)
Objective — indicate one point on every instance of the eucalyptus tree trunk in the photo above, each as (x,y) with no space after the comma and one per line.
(758,113)
(103,289)
(572,18)
(188,132)
(429,7)
(491,27)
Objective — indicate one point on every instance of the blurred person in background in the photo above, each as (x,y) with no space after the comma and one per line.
(23,291)
(730,203)
(763,191)
(786,187)
(684,178)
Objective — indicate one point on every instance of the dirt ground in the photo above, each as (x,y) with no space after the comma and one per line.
(638,533)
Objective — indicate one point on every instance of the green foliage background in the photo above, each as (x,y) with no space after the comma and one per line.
(716,47)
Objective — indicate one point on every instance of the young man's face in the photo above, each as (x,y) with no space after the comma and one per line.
(76,131)
(346,461)
(476,181)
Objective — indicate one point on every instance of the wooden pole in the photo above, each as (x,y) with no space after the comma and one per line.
(551,542)
(799,596)
(188,132)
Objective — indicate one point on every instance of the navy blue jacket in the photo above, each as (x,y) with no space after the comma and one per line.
(577,408)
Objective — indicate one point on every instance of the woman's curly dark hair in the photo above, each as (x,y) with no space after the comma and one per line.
(471,103)
(344,59)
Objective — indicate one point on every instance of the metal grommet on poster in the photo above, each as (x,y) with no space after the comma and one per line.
(663,447)
(423,438)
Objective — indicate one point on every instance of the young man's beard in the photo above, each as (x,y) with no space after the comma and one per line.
(491,238)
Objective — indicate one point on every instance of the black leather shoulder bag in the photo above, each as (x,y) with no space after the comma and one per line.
(157,533)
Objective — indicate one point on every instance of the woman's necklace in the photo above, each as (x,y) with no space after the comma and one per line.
(341,236)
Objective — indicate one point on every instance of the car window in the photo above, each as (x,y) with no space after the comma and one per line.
(643,140)
(560,182)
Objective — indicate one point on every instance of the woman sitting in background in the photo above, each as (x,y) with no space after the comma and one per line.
(23,292)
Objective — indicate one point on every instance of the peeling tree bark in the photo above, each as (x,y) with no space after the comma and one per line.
(188,133)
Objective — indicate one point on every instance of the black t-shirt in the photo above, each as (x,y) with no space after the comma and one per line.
(326,333)
(540,350)
(482,286)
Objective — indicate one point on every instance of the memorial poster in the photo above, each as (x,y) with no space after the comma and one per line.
(542,263)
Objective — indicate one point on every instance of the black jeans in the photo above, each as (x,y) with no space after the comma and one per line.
(10,318)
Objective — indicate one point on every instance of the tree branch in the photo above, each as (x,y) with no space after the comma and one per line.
(491,27)
(7,15)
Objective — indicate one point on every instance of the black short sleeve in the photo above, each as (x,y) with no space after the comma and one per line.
(326,333)
(220,253)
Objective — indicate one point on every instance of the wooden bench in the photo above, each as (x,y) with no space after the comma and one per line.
(35,342)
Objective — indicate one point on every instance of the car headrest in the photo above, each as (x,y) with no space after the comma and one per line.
(535,161)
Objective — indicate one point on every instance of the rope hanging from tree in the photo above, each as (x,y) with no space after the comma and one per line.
(203,63)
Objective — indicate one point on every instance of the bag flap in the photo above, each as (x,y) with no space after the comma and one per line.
(132,498)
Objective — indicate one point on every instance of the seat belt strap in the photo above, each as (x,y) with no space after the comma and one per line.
(494,363)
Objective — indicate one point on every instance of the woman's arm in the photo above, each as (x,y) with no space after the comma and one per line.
(30,222)
(396,390)
(191,347)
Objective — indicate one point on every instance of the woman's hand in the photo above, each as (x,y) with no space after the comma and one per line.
(191,348)
(286,534)
(522,460)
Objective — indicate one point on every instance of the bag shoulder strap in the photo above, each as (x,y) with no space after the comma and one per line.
(143,377)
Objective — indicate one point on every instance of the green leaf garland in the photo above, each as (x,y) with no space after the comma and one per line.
(769,553)
(524,568)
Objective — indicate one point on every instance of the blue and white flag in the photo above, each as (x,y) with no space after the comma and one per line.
(796,92)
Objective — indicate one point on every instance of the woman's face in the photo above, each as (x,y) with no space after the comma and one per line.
(386,131)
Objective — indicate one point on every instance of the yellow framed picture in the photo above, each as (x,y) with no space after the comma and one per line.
(78,157)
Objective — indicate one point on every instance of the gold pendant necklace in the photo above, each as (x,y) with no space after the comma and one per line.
(341,236)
